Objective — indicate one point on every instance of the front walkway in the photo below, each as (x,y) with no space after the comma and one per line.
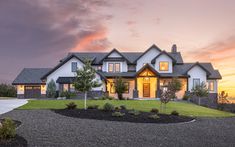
(7,105)
(46,128)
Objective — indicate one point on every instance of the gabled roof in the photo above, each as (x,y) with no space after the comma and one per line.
(162,53)
(198,64)
(30,76)
(60,64)
(153,46)
(114,50)
(147,66)
(117,74)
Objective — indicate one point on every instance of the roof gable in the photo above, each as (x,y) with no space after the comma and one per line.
(162,53)
(151,47)
(201,66)
(147,66)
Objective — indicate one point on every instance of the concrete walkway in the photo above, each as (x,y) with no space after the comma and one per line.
(7,105)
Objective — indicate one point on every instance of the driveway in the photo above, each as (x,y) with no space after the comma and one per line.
(7,105)
(46,128)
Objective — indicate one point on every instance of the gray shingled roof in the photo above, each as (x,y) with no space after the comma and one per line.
(96,57)
(31,76)
(121,74)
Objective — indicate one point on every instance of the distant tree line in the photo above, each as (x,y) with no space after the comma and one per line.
(7,90)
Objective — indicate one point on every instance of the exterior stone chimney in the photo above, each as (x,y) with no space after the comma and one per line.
(174,48)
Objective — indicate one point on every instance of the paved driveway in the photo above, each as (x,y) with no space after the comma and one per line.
(7,105)
(46,128)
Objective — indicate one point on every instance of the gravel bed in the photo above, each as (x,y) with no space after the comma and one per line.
(46,128)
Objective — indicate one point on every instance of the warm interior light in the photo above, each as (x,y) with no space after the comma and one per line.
(21,87)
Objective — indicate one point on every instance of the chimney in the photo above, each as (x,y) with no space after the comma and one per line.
(174,48)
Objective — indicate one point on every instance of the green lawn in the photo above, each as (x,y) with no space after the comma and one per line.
(183,108)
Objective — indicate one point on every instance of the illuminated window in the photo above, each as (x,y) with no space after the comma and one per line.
(196,82)
(164,66)
(72,88)
(99,68)
(66,87)
(117,67)
(112,88)
(127,87)
(211,85)
(114,67)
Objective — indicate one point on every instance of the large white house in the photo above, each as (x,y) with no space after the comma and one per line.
(144,73)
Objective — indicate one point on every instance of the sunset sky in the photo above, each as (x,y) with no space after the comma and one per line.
(38,33)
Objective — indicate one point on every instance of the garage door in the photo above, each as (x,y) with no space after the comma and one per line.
(32,92)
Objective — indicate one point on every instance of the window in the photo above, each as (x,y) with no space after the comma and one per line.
(114,67)
(117,67)
(99,68)
(74,66)
(196,82)
(66,87)
(72,88)
(112,87)
(211,85)
(163,66)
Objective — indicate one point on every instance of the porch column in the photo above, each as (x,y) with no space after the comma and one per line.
(158,87)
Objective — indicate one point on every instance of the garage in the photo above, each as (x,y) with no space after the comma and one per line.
(32,91)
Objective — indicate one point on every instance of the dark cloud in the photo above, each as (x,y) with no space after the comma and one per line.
(39,32)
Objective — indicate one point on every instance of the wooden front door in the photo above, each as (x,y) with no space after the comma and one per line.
(146,89)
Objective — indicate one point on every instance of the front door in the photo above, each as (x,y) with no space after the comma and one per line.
(146,89)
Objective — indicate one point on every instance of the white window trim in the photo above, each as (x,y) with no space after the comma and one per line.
(107,66)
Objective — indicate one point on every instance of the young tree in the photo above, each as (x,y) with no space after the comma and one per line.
(174,86)
(51,89)
(200,91)
(120,87)
(223,97)
(165,97)
(85,80)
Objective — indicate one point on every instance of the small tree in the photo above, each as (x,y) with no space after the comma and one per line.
(51,89)
(165,97)
(223,97)
(120,87)
(85,80)
(200,91)
(174,86)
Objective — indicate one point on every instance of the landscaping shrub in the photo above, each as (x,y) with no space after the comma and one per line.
(8,129)
(186,97)
(67,94)
(93,107)
(175,113)
(71,105)
(123,107)
(106,98)
(108,107)
(7,90)
(134,112)
(51,89)
(154,116)
(155,110)
(117,114)
(117,108)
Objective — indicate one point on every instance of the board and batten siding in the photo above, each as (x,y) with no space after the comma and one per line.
(164,58)
(147,58)
(196,73)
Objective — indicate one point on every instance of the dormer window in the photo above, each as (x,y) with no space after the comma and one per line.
(114,67)
(74,66)
(163,66)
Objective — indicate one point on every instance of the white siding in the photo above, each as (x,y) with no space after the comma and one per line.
(65,71)
(163,57)
(114,55)
(147,58)
(196,73)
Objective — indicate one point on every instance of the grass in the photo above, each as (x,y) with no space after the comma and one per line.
(184,108)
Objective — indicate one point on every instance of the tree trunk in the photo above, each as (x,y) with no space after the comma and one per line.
(85,100)
(199,101)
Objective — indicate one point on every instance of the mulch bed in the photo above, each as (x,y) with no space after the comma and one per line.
(143,117)
(18,141)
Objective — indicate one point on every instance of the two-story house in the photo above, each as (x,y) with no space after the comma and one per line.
(144,73)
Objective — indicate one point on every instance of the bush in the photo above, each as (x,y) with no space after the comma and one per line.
(108,107)
(71,105)
(117,108)
(51,89)
(93,107)
(123,107)
(8,129)
(186,97)
(7,90)
(155,110)
(67,94)
(106,98)
(134,112)
(117,114)
(175,113)
(154,116)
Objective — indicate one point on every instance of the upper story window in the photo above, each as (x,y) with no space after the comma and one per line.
(74,66)
(196,82)
(114,67)
(211,86)
(163,66)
